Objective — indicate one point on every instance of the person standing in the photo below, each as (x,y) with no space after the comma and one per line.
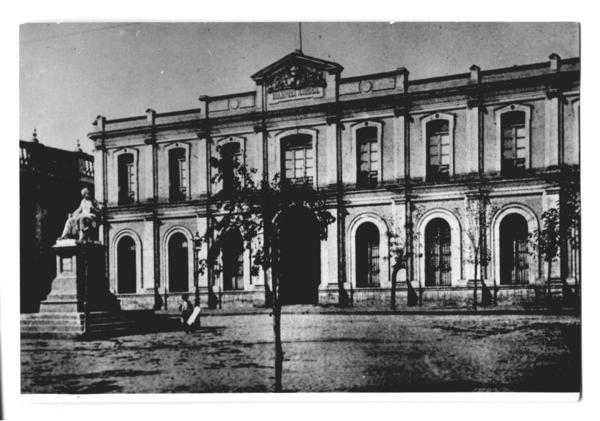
(186,308)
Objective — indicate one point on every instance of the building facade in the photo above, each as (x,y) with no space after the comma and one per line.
(50,182)
(400,161)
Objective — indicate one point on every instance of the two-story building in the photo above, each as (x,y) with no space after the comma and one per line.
(399,155)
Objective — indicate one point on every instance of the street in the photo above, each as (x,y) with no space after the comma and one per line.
(323,353)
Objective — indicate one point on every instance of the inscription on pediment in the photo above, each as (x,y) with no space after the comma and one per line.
(296,82)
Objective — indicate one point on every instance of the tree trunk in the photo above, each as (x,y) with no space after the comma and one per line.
(278,347)
(548,280)
(277,326)
(393,297)
(475,281)
(563,251)
(269,244)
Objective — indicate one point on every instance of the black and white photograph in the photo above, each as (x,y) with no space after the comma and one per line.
(299,207)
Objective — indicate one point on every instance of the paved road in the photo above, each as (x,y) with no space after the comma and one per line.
(414,353)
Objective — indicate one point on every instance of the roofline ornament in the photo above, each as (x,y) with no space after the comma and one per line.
(296,77)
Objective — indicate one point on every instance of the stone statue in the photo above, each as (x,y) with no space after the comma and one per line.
(83,222)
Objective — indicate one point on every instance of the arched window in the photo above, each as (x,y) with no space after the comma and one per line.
(230,155)
(178,263)
(367,149)
(233,261)
(367,255)
(514,253)
(438,150)
(298,159)
(438,270)
(514,143)
(127,179)
(178,174)
(126,266)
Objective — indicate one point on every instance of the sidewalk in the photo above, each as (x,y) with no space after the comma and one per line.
(316,309)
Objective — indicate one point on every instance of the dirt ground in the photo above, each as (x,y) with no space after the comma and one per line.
(383,353)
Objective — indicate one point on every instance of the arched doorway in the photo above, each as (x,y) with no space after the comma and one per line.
(514,251)
(438,268)
(367,255)
(299,260)
(178,263)
(233,261)
(126,266)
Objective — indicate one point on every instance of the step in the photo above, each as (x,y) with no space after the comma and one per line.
(64,324)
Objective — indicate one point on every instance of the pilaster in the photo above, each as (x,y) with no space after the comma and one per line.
(552,129)
(473,144)
(399,123)
(331,153)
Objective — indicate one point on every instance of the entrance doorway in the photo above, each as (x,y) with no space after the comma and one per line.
(126,266)
(514,253)
(438,254)
(233,261)
(299,260)
(367,255)
(178,263)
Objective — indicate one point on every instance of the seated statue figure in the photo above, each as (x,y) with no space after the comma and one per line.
(83,222)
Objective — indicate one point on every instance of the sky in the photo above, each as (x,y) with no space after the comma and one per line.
(72,72)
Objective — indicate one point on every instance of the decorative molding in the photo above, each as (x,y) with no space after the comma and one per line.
(234,104)
(475,101)
(365,86)
(553,92)
(296,77)
(233,139)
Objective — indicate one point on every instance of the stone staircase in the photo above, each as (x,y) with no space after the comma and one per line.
(80,325)
(52,325)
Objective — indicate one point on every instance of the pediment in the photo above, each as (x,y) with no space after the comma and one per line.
(295,71)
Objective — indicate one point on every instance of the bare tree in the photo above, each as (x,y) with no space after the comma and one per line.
(252,208)
(561,225)
(567,178)
(401,255)
(547,240)
(478,216)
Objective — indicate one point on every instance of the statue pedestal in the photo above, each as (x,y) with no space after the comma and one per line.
(81,284)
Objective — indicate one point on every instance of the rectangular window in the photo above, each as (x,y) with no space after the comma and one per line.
(368,157)
(298,159)
(127,179)
(177,174)
(514,144)
(438,150)
(230,156)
